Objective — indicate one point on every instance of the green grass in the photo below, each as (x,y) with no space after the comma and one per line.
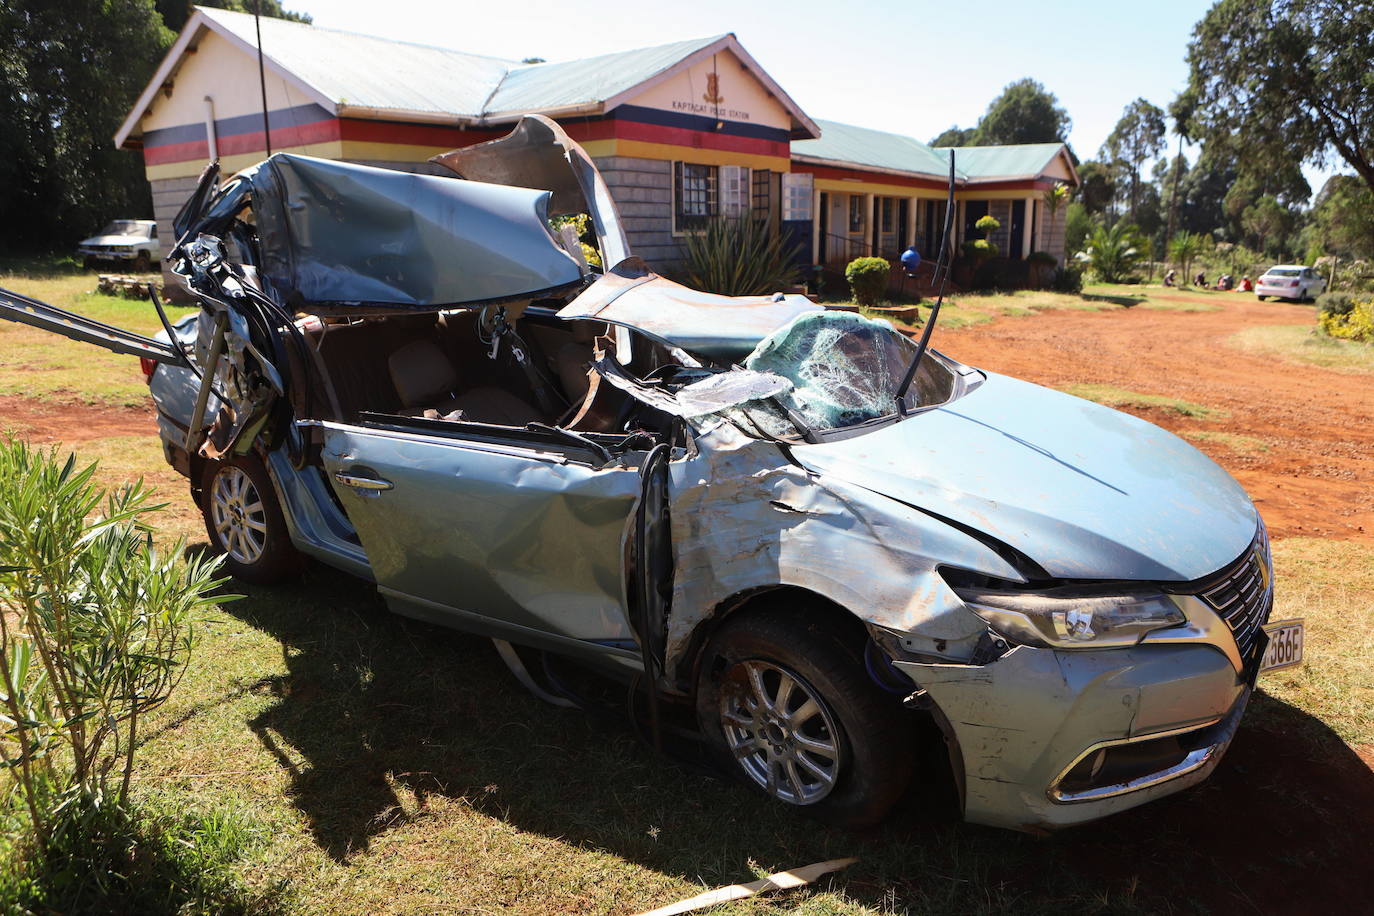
(1302,344)
(1241,445)
(43,365)
(1163,299)
(1120,397)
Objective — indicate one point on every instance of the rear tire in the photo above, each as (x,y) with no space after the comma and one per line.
(1260,298)
(831,744)
(245,523)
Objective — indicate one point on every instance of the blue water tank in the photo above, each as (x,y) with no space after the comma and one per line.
(911,259)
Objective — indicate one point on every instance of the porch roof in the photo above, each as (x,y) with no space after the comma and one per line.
(866,149)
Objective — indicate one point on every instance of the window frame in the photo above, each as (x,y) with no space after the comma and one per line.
(684,223)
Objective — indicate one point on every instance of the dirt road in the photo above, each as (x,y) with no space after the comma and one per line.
(1312,473)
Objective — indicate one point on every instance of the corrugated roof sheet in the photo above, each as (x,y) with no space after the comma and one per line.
(370,72)
(876,148)
(984,163)
(541,87)
(863,146)
(354,69)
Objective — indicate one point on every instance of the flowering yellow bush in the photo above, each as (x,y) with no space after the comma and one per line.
(1354,321)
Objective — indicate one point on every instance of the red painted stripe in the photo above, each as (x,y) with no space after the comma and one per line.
(416,134)
(1023,184)
(296,135)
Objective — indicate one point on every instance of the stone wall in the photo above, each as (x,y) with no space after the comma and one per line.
(643,192)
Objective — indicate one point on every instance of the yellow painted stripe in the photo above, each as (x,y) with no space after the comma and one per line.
(998,195)
(231,164)
(642,149)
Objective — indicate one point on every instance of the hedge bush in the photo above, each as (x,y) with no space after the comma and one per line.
(868,278)
(1346,318)
(1067,280)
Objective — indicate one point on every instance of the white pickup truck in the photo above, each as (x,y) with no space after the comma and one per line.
(129,241)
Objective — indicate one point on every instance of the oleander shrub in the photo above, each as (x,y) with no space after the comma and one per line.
(868,279)
(1067,279)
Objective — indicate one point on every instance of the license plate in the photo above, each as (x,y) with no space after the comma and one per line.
(1285,645)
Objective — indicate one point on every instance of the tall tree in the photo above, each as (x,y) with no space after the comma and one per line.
(1096,186)
(1265,222)
(955,136)
(1343,218)
(1290,76)
(1137,137)
(1025,112)
(63,92)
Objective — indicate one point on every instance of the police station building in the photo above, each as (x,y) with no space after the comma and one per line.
(684,133)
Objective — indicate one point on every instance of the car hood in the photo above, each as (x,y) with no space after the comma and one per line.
(1084,491)
(113,240)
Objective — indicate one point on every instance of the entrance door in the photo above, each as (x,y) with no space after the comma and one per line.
(1018,228)
(517,538)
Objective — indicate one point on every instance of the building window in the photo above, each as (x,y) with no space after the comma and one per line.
(797,192)
(886,204)
(856,213)
(761,198)
(694,196)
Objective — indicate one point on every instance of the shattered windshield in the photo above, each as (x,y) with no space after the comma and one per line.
(825,371)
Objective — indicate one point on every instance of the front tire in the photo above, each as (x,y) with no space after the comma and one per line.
(142,264)
(245,523)
(784,700)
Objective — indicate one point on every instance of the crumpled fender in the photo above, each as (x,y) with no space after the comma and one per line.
(744,518)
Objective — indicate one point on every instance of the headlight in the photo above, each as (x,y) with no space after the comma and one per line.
(1073,618)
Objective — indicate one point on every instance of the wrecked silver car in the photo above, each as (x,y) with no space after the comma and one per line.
(732,503)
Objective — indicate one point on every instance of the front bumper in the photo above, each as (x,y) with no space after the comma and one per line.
(107,254)
(1049,739)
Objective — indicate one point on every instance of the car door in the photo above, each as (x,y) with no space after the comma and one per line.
(514,533)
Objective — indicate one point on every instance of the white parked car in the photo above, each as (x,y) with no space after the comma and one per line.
(1290,281)
(129,241)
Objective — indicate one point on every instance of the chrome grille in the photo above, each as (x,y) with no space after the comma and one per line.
(1243,593)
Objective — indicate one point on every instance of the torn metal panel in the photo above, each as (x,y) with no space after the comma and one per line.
(1024,719)
(723,328)
(1084,491)
(743,518)
(338,234)
(538,153)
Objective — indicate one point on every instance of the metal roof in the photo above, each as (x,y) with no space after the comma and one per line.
(367,72)
(865,147)
(987,163)
(567,84)
(356,75)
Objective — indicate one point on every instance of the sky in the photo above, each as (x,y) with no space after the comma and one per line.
(914,68)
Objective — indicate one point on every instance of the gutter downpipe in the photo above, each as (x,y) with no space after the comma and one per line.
(211,140)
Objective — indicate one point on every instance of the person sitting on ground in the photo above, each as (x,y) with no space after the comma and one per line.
(1246,286)
(1200,281)
(1170,278)
(1224,284)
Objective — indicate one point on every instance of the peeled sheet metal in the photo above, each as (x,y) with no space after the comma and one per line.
(539,154)
(340,234)
(723,328)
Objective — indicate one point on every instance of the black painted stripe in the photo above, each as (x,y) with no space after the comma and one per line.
(705,123)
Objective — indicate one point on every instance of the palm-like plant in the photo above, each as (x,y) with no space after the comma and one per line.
(1184,248)
(741,257)
(1113,253)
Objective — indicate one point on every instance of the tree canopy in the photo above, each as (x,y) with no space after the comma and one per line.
(1137,137)
(1291,77)
(1025,112)
(63,92)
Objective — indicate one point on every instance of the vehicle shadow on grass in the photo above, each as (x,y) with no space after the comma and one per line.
(378,707)
(1123,301)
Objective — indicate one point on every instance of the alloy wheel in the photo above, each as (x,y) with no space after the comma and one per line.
(780,731)
(238,515)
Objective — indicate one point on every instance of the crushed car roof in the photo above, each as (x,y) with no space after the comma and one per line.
(340,234)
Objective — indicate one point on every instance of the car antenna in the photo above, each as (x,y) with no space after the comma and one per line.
(942,267)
